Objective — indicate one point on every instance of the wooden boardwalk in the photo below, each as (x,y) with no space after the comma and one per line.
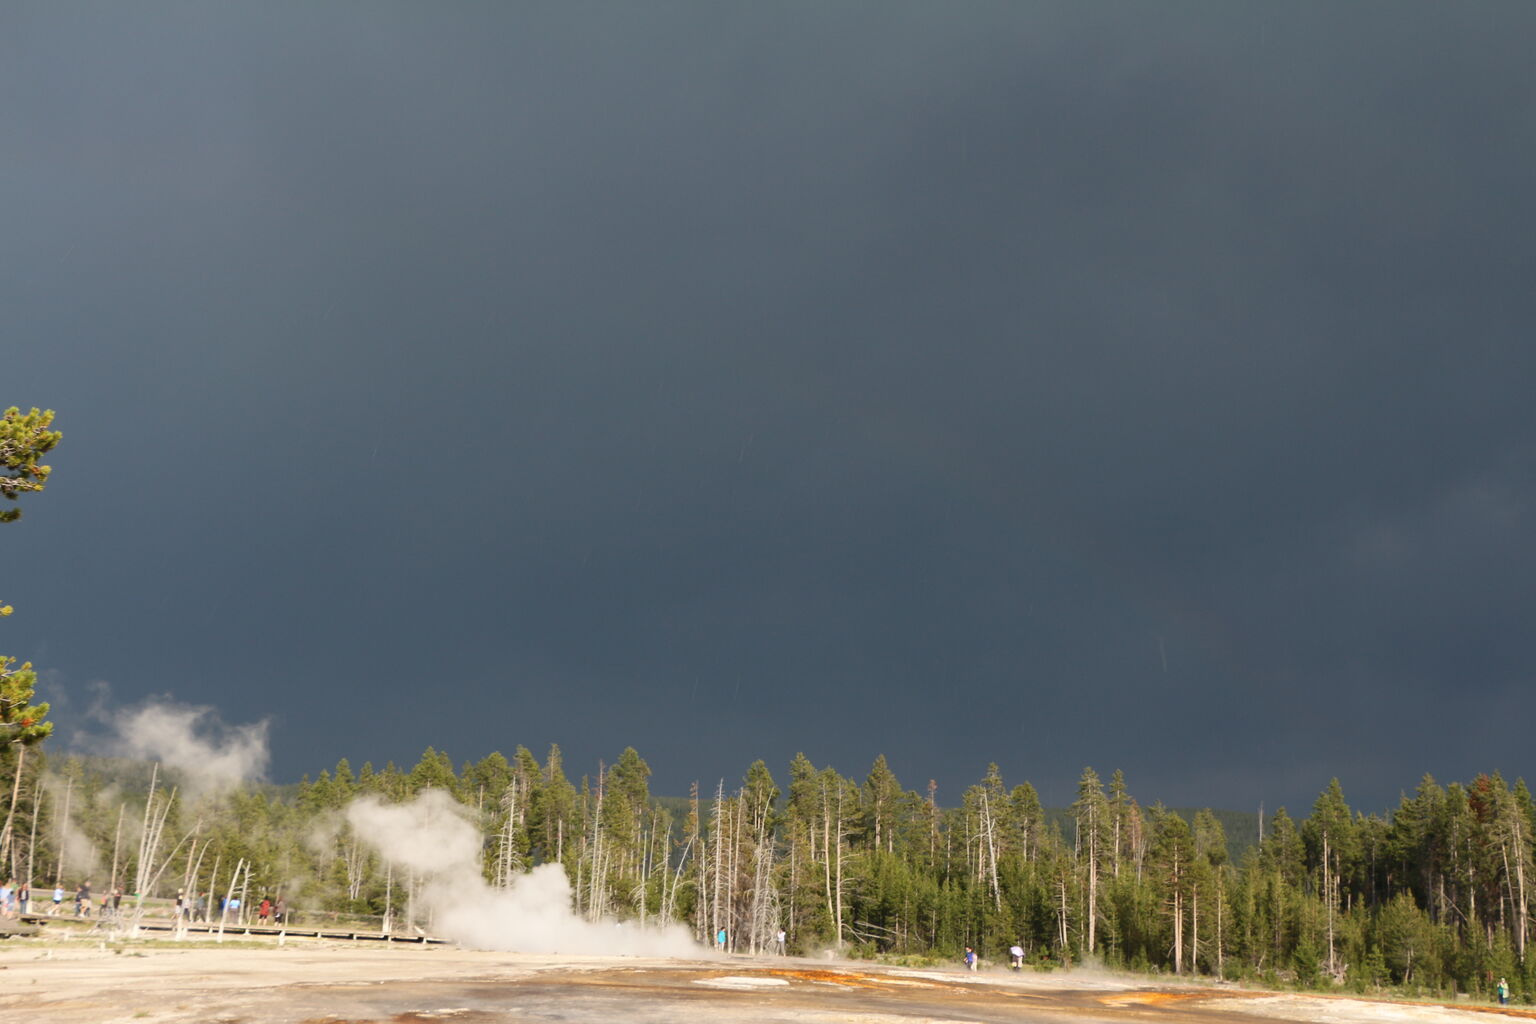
(31,922)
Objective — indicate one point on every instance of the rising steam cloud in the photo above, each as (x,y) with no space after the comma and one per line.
(79,855)
(432,837)
(207,755)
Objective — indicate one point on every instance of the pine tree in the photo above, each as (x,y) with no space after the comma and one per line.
(806,920)
(757,797)
(1028,819)
(1405,938)
(555,809)
(838,805)
(881,792)
(1120,804)
(1210,867)
(1172,858)
(1093,840)
(24,439)
(20,719)
(434,771)
(1331,840)
(1413,844)
(1457,843)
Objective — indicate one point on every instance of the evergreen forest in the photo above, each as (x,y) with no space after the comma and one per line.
(1430,898)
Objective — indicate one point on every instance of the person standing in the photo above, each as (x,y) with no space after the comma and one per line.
(1503,992)
(1016,956)
(970,958)
(58,899)
(783,942)
(720,940)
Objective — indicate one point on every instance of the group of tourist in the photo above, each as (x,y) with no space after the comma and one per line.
(16,899)
(268,911)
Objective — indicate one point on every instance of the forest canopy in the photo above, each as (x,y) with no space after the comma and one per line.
(1431,897)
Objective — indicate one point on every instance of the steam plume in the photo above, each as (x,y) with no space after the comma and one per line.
(432,837)
(207,755)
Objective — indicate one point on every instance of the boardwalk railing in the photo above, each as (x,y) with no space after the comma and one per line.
(125,921)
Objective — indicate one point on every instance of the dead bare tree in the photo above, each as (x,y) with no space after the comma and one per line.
(354,861)
(117,842)
(154,878)
(597,894)
(389,891)
(213,887)
(241,865)
(37,808)
(189,878)
(834,831)
(989,832)
(717,919)
(7,853)
(691,835)
(508,861)
(149,844)
(763,911)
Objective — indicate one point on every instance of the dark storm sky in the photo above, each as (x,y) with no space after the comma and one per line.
(1128,385)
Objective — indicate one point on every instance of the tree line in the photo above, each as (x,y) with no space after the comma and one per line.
(1431,897)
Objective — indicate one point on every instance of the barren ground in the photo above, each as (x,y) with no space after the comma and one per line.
(331,983)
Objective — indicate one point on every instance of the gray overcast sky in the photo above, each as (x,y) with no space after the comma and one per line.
(1135,385)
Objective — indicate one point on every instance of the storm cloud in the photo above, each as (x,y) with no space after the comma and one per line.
(1143,386)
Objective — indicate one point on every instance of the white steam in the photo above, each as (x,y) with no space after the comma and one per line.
(79,857)
(432,837)
(207,755)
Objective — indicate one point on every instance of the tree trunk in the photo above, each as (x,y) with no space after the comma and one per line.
(1330,889)
(1093,891)
(989,832)
(1522,911)
(1220,964)
(10,815)
(838,850)
(117,844)
(1178,925)
(1061,917)
(1194,931)
(37,808)
(826,847)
